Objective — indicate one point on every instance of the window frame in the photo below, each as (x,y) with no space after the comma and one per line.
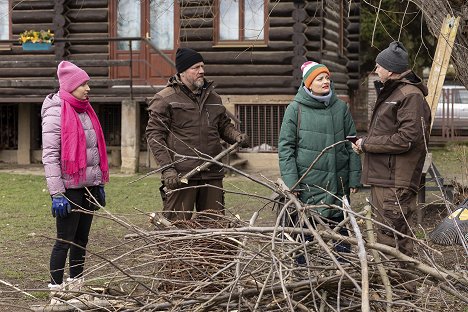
(241,42)
(7,46)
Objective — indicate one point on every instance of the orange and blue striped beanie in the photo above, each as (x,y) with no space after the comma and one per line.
(310,70)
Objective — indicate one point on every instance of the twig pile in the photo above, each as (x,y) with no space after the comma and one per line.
(219,263)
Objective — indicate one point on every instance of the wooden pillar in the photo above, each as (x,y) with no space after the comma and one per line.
(130,139)
(24,134)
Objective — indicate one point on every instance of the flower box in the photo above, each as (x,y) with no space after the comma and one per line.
(36,46)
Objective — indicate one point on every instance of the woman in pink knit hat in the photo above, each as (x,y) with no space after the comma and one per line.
(76,168)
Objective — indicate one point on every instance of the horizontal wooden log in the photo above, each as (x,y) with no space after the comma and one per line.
(88,15)
(281,8)
(51,83)
(331,24)
(281,33)
(196,34)
(255,57)
(335,67)
(313,46)
(313,33)
(280,45)
(257,91)
(236,70)
(19,28)
(76,57)
(330,35)
(54,63)
(32,17)
(199,46)
(196,22)
(315,56)
(251,81)
(330,45)
(353,66)
(353,28)
(314,8)
(353,47)
(89,28)
(196,11)
(88,4)
(278,21)
(20,5)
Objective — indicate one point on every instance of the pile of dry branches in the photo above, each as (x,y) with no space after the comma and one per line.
(220,263)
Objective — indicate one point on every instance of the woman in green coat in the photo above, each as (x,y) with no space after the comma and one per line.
(314,120)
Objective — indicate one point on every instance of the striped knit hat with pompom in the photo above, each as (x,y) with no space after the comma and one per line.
(310,70)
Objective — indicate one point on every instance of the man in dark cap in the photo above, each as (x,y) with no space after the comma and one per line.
(188,118)
(395,146)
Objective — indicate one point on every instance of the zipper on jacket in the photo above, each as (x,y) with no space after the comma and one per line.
(207,116)
(390,167)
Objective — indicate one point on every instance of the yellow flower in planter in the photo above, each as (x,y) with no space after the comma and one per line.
(34,36)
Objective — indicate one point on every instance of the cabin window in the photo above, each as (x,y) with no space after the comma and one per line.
(162,24)
(8,126)
(128,23)
(262,123)
(4,19)
(241,21)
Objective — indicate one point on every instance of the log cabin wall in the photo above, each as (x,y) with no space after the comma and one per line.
(264,74)
(298,31)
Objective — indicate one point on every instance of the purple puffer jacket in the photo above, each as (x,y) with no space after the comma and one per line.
(56,180)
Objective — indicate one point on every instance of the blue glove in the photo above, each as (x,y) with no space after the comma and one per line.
(60,206)
(102,196)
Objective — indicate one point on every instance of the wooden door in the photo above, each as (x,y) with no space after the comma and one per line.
(156,20)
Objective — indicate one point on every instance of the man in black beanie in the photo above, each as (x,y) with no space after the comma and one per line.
(395,146)
(188,118)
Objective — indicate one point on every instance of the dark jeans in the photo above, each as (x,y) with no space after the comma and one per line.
(73,228)
(339,246)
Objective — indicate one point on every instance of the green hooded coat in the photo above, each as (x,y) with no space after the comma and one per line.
(320,126)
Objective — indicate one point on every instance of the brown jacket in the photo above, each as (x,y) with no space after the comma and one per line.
(394,147)
(183,123)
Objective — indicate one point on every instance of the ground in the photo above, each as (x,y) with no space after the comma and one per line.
(27,229)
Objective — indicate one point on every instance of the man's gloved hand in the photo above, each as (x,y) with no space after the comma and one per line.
(102,196)
(60,206)
(171,178)
(243,140)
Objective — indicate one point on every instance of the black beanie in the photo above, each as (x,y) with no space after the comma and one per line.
(394,58)
(185,58)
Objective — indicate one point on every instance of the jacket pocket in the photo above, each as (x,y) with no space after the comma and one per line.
(184,115)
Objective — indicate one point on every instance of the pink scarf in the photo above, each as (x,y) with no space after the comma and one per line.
(73,139)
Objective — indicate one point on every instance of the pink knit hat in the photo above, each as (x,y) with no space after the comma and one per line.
(70,76)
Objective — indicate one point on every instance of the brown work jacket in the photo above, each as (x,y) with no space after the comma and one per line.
(395,144)
(183,123)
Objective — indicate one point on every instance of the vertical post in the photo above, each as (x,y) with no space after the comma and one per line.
(131,69)
(441,61)
(130,139)
(24,134)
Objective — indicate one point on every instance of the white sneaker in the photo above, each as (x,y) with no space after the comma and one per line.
(56,293)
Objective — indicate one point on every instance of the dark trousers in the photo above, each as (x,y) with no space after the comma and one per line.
(179,205)
(75,229)
(339,246)
(394,207)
